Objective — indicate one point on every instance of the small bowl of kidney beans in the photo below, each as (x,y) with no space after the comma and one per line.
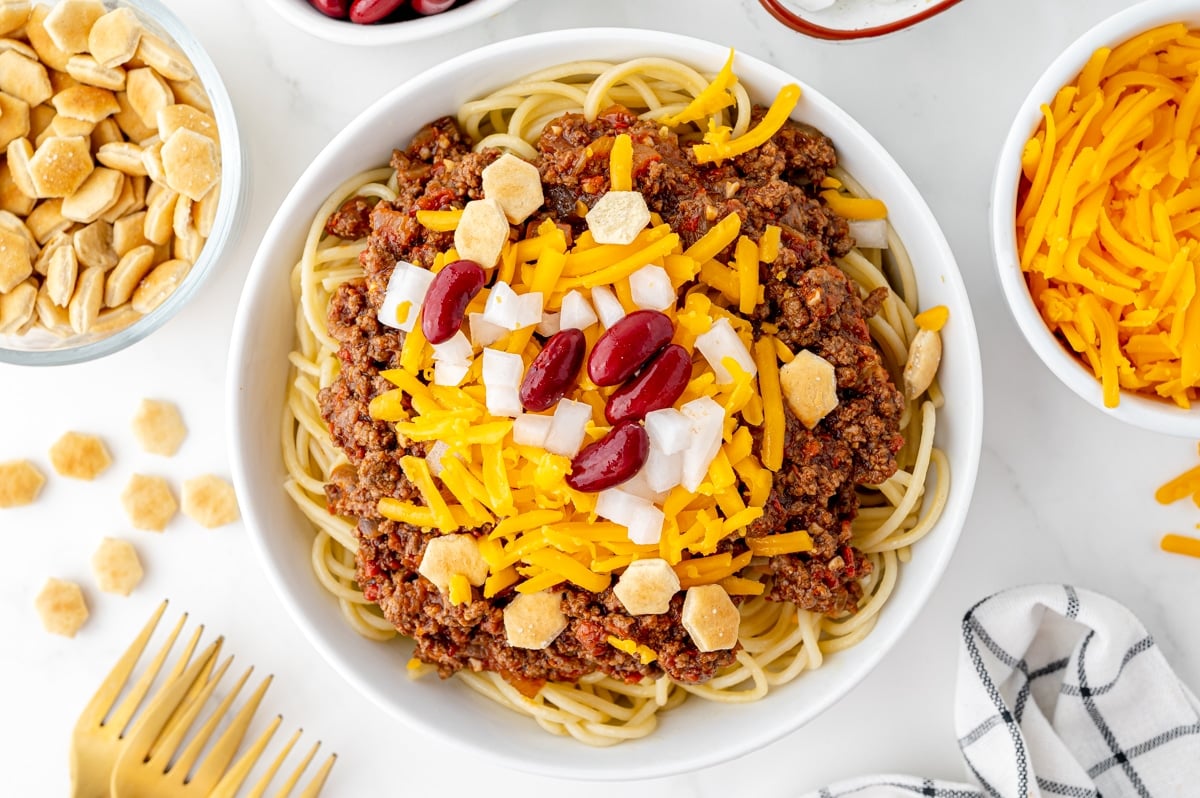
(380,22)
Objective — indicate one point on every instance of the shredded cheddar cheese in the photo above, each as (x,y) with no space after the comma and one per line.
(715,97)
(1107,227)
(642,652)
(1181,544)
(717,144)
(933,319)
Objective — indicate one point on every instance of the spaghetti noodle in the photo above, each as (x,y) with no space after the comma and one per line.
(778,641)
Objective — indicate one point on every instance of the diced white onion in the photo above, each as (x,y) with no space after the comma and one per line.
(618,506)
(483,332)
(503,401)
(503,307)
(608,307)
(434,457)
(531,430)
(869,233)
(501,374)
(449,373)
(708,420)
(651,288)
(550,325)
(662,471)
(408,283)
(721,342)
(642,519)
(646,527)
(529,309)
(577,313)
(640,485)
(457,350)
(568,427)
(669,430)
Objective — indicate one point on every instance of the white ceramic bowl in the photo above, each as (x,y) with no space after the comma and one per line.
(1148,413)
(312,21)
(258,374)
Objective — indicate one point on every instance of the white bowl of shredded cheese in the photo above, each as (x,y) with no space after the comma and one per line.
(1010,192)
(696,734)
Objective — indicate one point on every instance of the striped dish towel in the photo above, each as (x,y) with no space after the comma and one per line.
(1061,692)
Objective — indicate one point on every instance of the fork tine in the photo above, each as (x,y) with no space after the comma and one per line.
(260,788)
(286,789)
(102,701)
(314,787)
(124,713)
(226,746)
(169,742)
(231,782)
(201,680)
(162,707)
(188,758)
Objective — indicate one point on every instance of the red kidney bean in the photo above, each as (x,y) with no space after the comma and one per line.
(553,371)
(366,12)
(613,459)
(338,9)
(431,6)
(446,302)
(656,387)
(626,345)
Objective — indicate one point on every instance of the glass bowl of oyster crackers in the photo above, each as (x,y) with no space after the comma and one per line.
(121,175)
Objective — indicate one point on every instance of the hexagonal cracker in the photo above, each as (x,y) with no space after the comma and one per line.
(61,607)
(70,21)
(515,184)
(533,620)
(14,119)
(209,501)
(448,555)
(809,384)
(618,217)
(148,502)
(60,165)
(20,483)
(15,264)
(79,456)
(24,78)
(190,163)
(710,618)
(647,587)
(158,427)
(116,566)
(481,233)
(114,38)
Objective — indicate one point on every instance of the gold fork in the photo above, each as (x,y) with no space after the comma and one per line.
(157,764)
(100,734)
(115,755)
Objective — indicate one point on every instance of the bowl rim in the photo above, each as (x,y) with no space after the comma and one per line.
(1146,412)
(243,359)
(801,24)
(234,188)
(303,16)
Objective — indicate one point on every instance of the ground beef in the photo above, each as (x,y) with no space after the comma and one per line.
(352,220)
(810,300)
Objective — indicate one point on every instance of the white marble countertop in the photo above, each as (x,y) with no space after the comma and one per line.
(1064,493)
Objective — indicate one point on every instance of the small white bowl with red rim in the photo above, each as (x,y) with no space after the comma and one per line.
(1147,412)
(410,21)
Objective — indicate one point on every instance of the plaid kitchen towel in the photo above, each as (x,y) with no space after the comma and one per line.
(1061,692)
